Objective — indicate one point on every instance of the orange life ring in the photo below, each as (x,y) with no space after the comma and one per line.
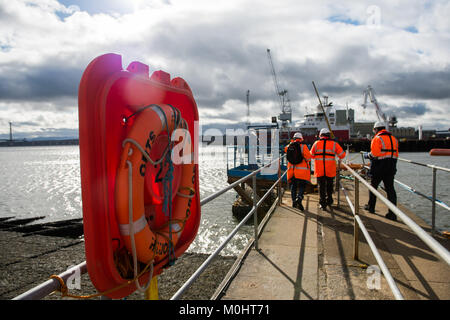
(147,244)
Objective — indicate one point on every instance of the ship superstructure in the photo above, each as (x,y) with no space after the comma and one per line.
(339,120)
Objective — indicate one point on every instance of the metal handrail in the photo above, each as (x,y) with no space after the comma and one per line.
(433,199)
(430,241)
(253,211)
(411,189)
(376,253)
(432,166)
(51,285)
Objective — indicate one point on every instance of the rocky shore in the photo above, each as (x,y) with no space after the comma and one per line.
(28,260)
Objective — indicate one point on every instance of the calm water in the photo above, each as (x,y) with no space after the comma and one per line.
(45,181)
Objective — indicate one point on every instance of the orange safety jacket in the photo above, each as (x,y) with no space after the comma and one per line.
(323,152)
(302,170)
(384,146)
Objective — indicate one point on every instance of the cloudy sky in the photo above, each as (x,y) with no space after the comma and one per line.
(401,48)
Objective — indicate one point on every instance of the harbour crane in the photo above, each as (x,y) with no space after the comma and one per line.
(369,92)
(286,110)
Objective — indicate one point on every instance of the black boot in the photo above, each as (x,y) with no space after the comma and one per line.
(391,216)
(329,202)
(367,208)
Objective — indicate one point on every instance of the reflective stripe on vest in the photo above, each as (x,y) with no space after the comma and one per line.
(301,168)
(384,148)
(386,157)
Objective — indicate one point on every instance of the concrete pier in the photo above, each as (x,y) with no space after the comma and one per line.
(309,256)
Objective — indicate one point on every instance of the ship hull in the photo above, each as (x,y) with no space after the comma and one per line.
(309,137)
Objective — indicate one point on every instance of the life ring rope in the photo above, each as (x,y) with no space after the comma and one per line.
(124,230)
(160,112)
(144,153)
(190,195)
(132,232)
(65,290)
(163,118)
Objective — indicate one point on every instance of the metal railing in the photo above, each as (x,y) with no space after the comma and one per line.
(52,285)
(442,252)
(359,224)
(433,196)
(253,212)
(47,287)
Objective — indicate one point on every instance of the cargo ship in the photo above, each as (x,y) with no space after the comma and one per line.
(310,125)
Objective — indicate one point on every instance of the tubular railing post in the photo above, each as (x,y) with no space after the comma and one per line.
(433,205)
(375,251)
(425,237)
(279,184)
(355,223)
(255,214)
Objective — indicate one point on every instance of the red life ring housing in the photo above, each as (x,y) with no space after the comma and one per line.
(109,95)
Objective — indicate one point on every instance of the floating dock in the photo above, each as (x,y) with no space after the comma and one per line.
(309,256)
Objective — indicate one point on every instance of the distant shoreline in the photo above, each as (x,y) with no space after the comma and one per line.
(356,145)
(29,143)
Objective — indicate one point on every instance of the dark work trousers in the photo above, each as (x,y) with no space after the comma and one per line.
(297,189)
(388,181)
(325,190)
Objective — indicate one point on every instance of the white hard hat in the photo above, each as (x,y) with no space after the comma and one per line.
(379,124)
(298,135)
(324,131)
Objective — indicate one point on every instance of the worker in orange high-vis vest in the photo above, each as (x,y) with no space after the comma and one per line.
(383,166)
(323,152)
(299,175)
